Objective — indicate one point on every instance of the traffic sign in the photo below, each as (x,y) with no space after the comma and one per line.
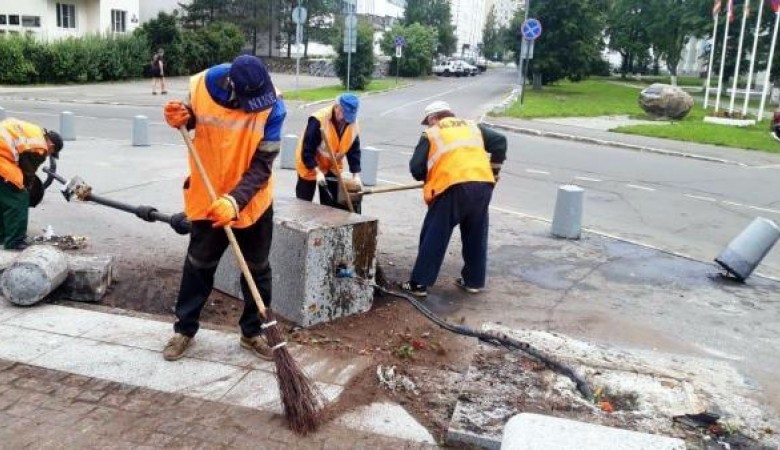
(299,15)
(350,34)
(399,51)
(400,41)
(350,21)
(531,29)
(527,50)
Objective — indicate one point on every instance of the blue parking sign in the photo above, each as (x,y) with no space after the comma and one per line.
(531,29)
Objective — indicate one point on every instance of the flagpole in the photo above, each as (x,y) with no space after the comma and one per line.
(712,60)
(723,56)
(745,11)
(768,69)
(749,87)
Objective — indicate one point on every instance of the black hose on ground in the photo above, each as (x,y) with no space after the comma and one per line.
(498,340)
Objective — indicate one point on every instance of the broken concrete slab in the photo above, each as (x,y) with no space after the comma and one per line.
(388,419)
(89,277)
(323,261)
(536,431)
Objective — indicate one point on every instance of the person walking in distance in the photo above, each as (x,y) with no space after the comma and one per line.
(237,117)
(158,72)
(333,128)
(459,162)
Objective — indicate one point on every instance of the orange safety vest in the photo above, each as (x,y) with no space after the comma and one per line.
(456,155)
(17,137)
(330,137)
(226,140)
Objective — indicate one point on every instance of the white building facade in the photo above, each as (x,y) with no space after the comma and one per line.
(468,17)
(53,19)
(505,10)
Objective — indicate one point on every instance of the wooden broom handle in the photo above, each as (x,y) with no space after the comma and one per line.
(338,175)
(229,231)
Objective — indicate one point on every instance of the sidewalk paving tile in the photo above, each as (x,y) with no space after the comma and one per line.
(60,320)
(388,419)
(27,346)
(258,390)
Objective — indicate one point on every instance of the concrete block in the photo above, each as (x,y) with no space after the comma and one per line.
(3,114)
(746,251)
(567,220)
(369,164)
(318,257)
(67,126)
(140,131)
(37,272)
(289,146)
(534,431)
(89,277)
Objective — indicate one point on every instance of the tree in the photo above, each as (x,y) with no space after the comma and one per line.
(491,37)
(163,32)
(571,43)
(627,30)
(362,61)
(417,55)
(673,23)
(200,13)
(436,14)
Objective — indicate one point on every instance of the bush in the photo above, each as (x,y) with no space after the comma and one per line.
(14,67)
(417,57)
(362,62)
(216,43)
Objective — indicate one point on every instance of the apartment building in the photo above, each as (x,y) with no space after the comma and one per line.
(56,19)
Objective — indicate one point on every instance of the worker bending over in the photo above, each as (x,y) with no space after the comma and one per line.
(334,128)
(237,118)
(24,146)
(459,162)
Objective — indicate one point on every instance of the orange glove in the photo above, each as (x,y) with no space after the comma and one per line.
(176,114)
(222,211)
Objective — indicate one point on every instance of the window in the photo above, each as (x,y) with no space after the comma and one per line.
(3,19)
(118,21)
(31,21)
(13,20)
(66,15)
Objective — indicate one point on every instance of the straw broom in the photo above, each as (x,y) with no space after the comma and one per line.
(301,399)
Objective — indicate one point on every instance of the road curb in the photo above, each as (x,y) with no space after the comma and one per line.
(616,144)
(367,94)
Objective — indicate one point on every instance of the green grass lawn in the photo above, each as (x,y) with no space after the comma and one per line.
(330,92)
(594,98)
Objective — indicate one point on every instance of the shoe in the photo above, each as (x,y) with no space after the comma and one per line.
(418,290)
(258,346)
(164,93)
(175,347)
(154,93)
(459,282)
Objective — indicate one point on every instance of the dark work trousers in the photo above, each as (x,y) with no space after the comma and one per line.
(14,207)
(206,247)
(329,196)
(466,205)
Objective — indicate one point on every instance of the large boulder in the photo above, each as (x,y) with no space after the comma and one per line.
(665,101)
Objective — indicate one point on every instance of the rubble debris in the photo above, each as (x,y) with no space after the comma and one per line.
(64,242)
(393,381)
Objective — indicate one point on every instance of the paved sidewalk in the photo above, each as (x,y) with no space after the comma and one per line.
(640,143)
(74,377)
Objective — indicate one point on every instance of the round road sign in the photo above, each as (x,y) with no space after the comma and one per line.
(531,29)
(350,21)
(299,15)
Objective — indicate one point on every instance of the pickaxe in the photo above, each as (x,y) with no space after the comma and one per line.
(76,187)
(357,196)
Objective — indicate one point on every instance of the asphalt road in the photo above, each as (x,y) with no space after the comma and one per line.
(679,205)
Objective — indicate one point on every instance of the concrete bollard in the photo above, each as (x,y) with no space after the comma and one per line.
(3,114)
(67,126)
(745,252)
(369,165)
(140,131)
(289,146)
(567,221)
(37,272)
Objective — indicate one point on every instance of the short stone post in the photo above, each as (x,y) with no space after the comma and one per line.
(67,126)
(140,131)
(3,114)
(745,252)
(567,221)
(369,165)
(289,146)
(38,271)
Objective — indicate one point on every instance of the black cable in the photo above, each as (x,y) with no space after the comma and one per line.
(498,341)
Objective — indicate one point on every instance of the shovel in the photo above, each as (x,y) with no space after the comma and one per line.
(357,196)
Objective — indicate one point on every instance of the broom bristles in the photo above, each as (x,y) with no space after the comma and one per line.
(302,401)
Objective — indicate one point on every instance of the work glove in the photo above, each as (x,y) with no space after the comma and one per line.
(320,177)
(222,211)
(357,182)
(177,114)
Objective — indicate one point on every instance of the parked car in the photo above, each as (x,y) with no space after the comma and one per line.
(470,69)
(449,68)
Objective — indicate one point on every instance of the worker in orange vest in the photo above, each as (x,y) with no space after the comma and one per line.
(24,146)
(459,162)
(237,117)
(336,128)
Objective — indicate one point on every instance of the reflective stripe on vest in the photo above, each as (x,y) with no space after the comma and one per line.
(10,142)
(456,155)
(339,145)
(226,141)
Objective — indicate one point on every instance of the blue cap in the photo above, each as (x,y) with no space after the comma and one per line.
(349,104)
(252,84)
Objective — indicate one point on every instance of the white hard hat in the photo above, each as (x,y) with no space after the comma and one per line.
(434,108)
